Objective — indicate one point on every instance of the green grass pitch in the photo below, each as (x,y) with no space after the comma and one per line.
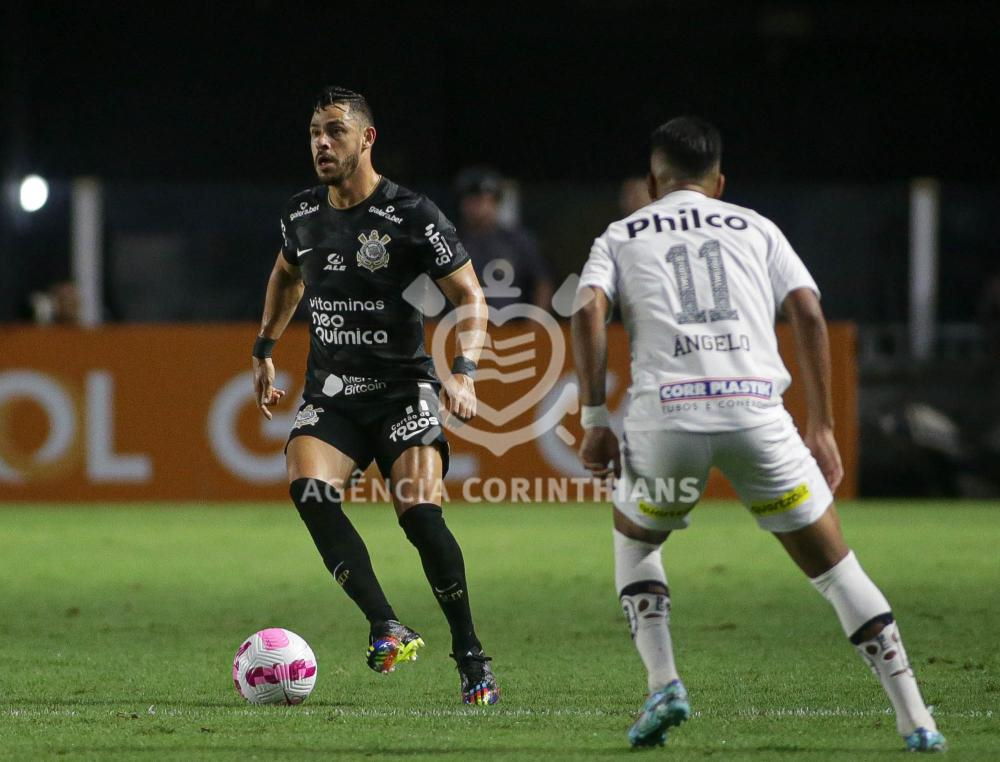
(119,626)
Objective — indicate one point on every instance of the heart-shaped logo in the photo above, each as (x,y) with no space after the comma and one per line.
(504,356)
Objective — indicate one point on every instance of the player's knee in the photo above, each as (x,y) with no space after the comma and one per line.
(409,493)
(308,491)
(422,522)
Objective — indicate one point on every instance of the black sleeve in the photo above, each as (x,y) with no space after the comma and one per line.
(287,243)
(440,251)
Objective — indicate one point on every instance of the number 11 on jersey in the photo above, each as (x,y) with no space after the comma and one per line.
(711,252)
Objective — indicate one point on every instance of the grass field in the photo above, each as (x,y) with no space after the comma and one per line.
(119,626)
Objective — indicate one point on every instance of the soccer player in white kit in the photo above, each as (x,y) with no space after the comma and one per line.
(699,282)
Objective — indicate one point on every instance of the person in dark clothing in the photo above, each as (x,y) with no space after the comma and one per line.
(506,258)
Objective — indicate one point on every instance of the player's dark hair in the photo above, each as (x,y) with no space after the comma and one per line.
(691,145)
(334,95)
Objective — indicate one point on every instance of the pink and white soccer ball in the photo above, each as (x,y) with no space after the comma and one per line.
(274,666)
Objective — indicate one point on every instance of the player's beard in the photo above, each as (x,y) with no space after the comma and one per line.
(347,168)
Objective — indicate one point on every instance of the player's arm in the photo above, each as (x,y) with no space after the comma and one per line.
(812,348)
(599,450)
(284,290)
(464,292)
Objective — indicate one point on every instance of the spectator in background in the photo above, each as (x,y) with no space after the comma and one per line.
(60,304)
(634,195)
(506,257)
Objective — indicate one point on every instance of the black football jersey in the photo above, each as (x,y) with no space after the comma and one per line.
(356,264)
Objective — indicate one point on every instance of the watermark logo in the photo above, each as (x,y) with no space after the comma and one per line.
(532,358)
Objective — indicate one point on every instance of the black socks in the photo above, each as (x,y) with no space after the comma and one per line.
(445,569)
(346,556)
(342,548)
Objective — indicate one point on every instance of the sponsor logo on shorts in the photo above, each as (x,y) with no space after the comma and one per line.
(795,497)
(386,214)
(303,210)
(712,388)
(307,416)
(351,385)
(415,423)
(661,512)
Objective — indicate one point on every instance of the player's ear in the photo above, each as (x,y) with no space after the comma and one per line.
(368,138)
(720,185)
(651,186)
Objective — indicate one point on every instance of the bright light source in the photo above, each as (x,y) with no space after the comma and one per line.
(34,193)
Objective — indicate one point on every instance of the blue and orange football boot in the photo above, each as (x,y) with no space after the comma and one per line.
(391,643)
(664,709)
(479,684)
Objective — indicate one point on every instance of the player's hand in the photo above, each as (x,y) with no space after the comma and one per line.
(599,452)
(265,393)
(458,396)
(823,446)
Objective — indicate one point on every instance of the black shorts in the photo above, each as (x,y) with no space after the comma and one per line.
(377,425)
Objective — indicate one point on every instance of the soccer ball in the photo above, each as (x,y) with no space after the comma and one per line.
(274,666)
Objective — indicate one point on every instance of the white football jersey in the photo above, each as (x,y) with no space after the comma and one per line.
(699,282)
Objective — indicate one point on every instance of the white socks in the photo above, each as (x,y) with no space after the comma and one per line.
(857,602)
(854,596)
(637,568)
(641,583)
(887,658)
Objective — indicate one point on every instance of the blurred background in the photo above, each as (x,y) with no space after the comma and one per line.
(147,150)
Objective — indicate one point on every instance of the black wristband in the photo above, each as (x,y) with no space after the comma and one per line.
(463,365)
(262,347)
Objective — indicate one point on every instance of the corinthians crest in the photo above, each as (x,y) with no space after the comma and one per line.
(307,416)
(372,255)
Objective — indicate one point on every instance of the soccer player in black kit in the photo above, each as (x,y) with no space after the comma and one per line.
(352,246)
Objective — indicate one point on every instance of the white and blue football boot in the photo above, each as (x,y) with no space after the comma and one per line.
(923,739)
(664,709)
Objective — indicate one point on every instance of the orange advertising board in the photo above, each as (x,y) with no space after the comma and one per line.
(165,412)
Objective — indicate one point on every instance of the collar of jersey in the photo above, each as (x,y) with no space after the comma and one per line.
(674,195)
(378,186)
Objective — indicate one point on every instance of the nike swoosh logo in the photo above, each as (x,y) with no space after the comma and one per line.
(412,434)
(450,587)
(300,252)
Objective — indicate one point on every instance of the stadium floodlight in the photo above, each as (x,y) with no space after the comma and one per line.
(34,193)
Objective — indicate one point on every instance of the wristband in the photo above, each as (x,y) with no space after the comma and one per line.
(262,347)
(463,365)
(595,417)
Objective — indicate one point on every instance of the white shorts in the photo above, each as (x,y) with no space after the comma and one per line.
(769,466)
